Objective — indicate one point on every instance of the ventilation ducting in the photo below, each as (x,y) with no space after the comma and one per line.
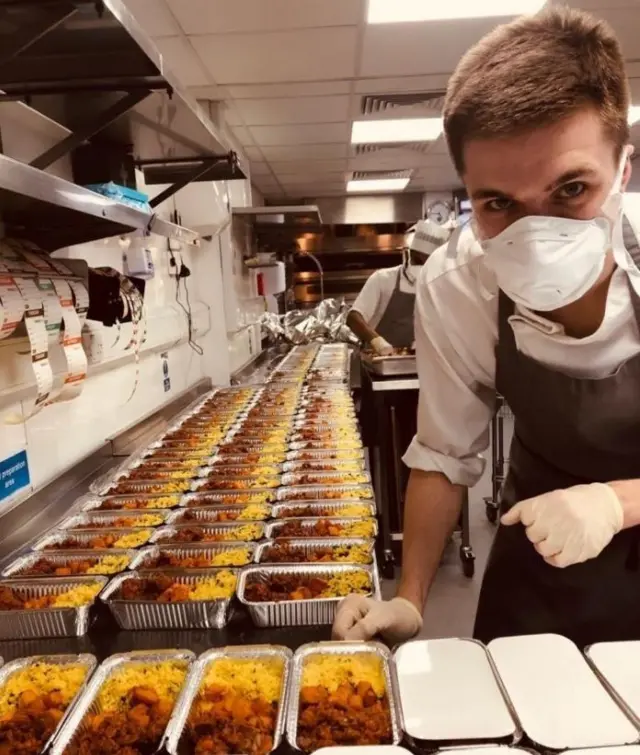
(372,175)
(379,103)
(367,149)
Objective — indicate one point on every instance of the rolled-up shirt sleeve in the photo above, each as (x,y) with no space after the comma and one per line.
(368,300)
(455,350)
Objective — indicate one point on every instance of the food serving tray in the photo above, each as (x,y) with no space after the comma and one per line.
(304,653)
(197,675)
(311,479)
(210,529)
(273,529)
(334,444)
(88,703)
(84,537)
(146,558)
(96,520)
(47,622)
(123,503)
(228,498)
(557,698)
(240,470)
(312,466)
(87,661)
(316,509)
(16,568)
(298,613)
(617,664)
(310,544)
(212,514)
(325,493)
(393,365)
(235,484)
(322,454)
(149,614)
(454,680)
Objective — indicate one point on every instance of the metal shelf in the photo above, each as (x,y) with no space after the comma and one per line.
(54,213)
(297,217)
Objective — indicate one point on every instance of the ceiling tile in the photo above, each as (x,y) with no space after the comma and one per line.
(154,17)
(305,152)
(223,16)
(291,167)
(243,135)
(291,110)
(398,159)
(596,5)
(312,54)
(308,89)
(259,168)
(401,84)
(182,60)
(209,92)
(310,178)
(309,133)
(626,24)
(254,153)
(419,48)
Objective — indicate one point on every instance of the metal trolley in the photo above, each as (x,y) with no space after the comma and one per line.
(499,463)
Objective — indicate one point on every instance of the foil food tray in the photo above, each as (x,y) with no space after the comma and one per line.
(16,568)
(325,444)
(84,537)
(273,529)
(309,544)
(95,520)
(393,365)
(211,514)
(144,560)
(224,468)
(148,487)
(87,661)
(325,493)
(149,614)
(310,479)
(312,466)
(47,622)
(228,498)
(210,529)
(320,454)
(89,702)
(315,508)
(298,613)
(304,653)
(235,461)
(176,731)
(230,485)
(118,503)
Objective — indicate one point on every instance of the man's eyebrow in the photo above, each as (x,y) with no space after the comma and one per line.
(489,194)
(571,175)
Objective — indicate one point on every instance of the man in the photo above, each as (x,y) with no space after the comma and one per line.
(382,315)
(541,302)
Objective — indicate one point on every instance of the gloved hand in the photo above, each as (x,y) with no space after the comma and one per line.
(361,618)
(382,347)
(570,526)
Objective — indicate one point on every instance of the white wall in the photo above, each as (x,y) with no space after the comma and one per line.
(61,435)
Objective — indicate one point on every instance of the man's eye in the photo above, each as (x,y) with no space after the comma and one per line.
(571,190)
(499,204)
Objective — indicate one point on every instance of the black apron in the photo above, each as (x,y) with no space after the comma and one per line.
(396,325)
(568,431)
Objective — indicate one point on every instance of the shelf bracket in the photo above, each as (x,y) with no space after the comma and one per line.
(89,129)
(203,166)
(52,17)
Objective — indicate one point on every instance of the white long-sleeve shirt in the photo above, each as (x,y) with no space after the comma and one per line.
(456,336)
(376,293)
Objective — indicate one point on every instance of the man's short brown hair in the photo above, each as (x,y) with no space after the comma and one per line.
(533,72)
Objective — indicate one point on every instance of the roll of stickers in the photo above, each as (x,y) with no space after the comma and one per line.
(12,306)
(76,359)
(52,308)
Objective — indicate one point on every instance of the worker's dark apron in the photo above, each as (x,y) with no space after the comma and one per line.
(396,325)
(567,431)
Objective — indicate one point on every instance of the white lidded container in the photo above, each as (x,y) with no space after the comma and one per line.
(618,665)
(450,694)
(487,750)
(363,750)
(623,750)
(557,698)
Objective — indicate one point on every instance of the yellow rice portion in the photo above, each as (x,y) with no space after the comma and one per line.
(41,678)
(144,520)
(251,677)
(255,512)
(221,585)
(330,671)
(245,532)
(232,557)
(77,596)
(165,677)
(110,565)
(133,539)
(340,585)
(358,554)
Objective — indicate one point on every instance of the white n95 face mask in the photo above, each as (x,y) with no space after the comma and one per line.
(544,263)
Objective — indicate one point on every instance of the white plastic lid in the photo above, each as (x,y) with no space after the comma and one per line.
(560,702)
(448,692)
(619,664)
(366,750)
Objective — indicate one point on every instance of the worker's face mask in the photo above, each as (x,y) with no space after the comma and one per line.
(544,263)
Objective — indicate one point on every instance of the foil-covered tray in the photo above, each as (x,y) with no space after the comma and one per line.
(308,545)
(47,622)
(97,520)
(321,454)
(310,479)
(323,510)
(325,493)
(150,614)
(89,702)
(226,484)
(147,558)
(298,613)
(85,537)
(320,649)
(165,534)
(126,503)
(326,444)
(228,498)
(85,660)
(339,526)
(16,569)
(221,514)
(177,730)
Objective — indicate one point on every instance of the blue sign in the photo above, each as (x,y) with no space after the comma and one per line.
(14,474)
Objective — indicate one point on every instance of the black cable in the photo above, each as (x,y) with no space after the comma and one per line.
(187,310)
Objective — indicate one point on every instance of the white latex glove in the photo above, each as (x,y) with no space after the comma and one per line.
(382,347)
(570,526)
(361,618)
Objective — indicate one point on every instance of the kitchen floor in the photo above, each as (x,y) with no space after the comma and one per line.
(451,607)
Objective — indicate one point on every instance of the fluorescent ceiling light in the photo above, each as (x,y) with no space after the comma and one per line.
(395,11)
(634,114)
(364,186)
(399,130)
